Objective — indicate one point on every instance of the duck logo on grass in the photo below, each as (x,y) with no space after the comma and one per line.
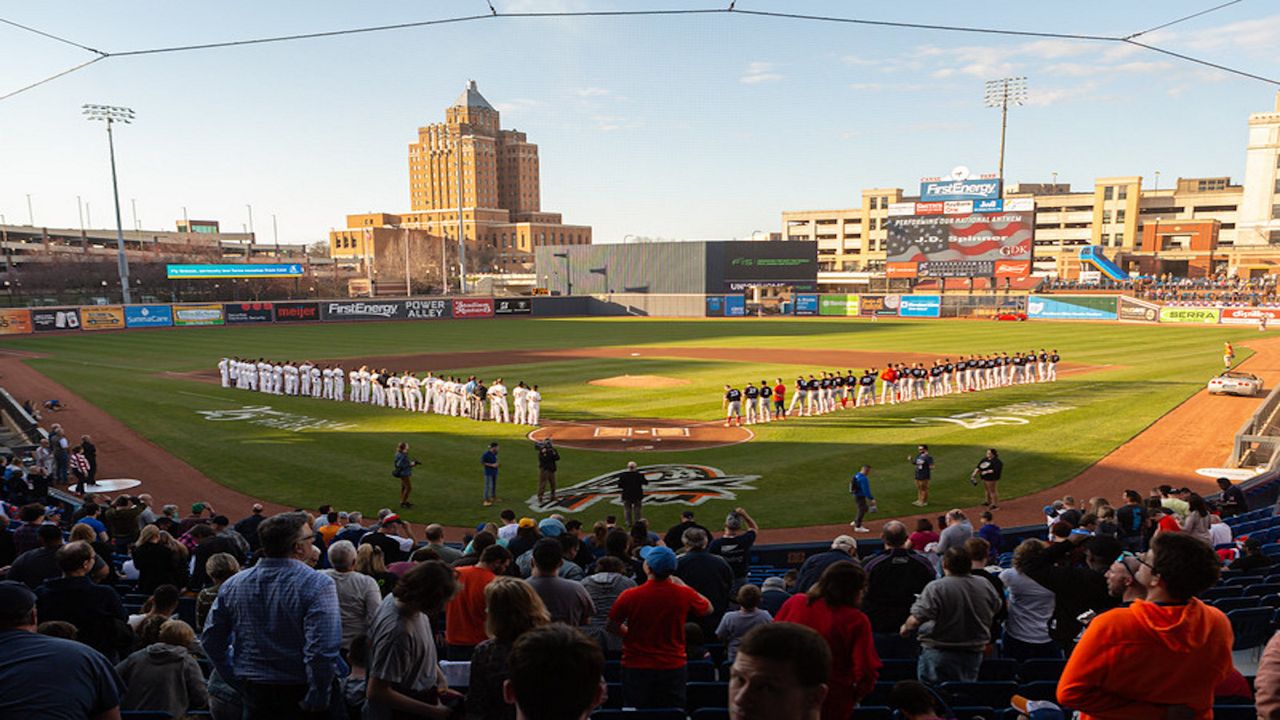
(668,485)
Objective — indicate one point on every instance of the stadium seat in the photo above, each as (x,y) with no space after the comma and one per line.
(1222,591)
(649,714)
(873,712)
(1272,601)
(613,671)
(700,671)
(880,695)
(613,696)
(1227,605)
(896,669)
(1262,589)
(1271,550)
(992,694)
(1252,627)
(1234,712)
(1246,577)
(710,714)
(187,610)
(998,669)
(145,715)
(1039,690)
(706,695)
(970,712)
(1041,669)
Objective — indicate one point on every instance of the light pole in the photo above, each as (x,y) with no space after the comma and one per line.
(134,202)
(80,210)
(111,115)
(275,234)
(31,215)
(250,231)
(1002,93)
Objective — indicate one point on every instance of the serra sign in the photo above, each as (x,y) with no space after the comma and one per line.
(1203,316)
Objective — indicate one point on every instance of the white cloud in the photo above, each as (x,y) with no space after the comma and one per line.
(1257,36)
(759,72)
(1056,95)
(516,105)
(591,92)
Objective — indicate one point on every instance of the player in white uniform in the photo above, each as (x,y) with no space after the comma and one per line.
(1052,372)
(409,387)
(498,402)
(224,370)
(520,403)
(394,396)
(534,398)
(290,379)
(326,383)
(304,377)
(339,379)
(366,386)
(316,386)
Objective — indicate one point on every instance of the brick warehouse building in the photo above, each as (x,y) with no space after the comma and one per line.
(496,172)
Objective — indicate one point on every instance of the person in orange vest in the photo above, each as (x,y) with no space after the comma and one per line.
(1228,355)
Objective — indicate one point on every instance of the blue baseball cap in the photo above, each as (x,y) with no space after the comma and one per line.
(551,527)
(661,559)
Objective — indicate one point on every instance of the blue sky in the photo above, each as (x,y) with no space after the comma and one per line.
(680,127)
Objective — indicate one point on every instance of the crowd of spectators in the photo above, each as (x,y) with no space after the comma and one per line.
(327,614)
(1217,291)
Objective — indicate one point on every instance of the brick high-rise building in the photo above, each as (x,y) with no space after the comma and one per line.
(497,174)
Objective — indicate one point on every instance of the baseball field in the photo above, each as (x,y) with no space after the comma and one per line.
(1114,381)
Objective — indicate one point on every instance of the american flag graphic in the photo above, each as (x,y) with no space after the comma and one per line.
(974,238)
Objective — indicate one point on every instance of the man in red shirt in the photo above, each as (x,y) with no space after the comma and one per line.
(650,618)
(888,377)
(465,613)
(779,398)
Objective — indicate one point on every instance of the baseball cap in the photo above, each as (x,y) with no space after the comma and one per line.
(843,542)
(774,583)
(660,559)
(1036,709)
(527,522)
(197,507)
(687,514)
(257,507)
(392,518)
(551,527)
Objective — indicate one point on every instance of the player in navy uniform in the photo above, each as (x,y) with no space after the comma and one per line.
(766,393)
(1042,366)
(850,385)
(798,399)
(812,398)
(732,405)
(920,373)
(1053,366)
(948,373)
(752,394)
(866,388)
(935,380)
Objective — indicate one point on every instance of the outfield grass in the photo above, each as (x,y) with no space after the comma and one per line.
(803,464)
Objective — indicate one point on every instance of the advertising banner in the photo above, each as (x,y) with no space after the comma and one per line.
(189,315)
(512,306)
(1013,268)
(247,313)
(477,308)
(1071,307)
(901,269)
(715,306)
(1248,315)
(988,206)
(924,306)
(878,305)
(1203,316)
(245,270)
(297,311)
(763,264)
(15,321)
(806,304)
(148,316)
(50,320)
(362,310)
(967,245)
(842,305)
(967,189)
(1137,310)
(735,306)
(102,317)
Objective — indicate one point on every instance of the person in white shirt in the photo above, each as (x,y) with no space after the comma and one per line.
(498,402)
(326,383)
(224,370)
(534,398)
(316,380)
(338,377)
(1219,532)
(290,379)
(304,378)
(393,391)
(277,379)
(366,384)
(412,395)
(519,398)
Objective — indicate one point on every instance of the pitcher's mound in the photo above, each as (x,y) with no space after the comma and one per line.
(639,381)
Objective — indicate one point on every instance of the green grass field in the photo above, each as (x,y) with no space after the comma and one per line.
(803,464)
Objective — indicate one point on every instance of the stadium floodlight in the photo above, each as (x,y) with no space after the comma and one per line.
(1001,94)
(111,114)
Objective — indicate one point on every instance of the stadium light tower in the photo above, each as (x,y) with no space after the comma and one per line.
(111,115)
(1001,94)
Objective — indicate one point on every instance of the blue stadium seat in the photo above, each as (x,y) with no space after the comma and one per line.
(613,671)
(1041,669)
(1228,605)
(1271,601)
(1262,589)
(700,671)
(651,714)
(1252,627)
(880,695)
(993,694)
(873,712)
(710,714)
(1039,690)
(706,695)
(1245,578)
(897,669)
(1234,712)
(613,696)
(1222,591)
(998,669)
(1272,550)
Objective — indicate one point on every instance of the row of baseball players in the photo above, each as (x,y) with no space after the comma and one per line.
(899,382)
(444,395)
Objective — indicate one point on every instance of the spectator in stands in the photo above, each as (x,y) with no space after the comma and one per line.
(605,585)
(710,575)
(283,620)
(163,603)
(222,528)
(773,593)
(566,600)
(1076,589)
(734,625)
(511,609)
(895,577)
(219,567)
(1253,557)
(1029,606)
(1131,521)
(465,613)
(1069,513)
(843,549)
(674,538)
(1266,684)
(1196,523)
(24,537)
(780,673)
(95,610)
(1122,579)
(7,551)
(164,676)
(1233,501)
(435,540)
(33,567)
(122,520)
(555,673)
(735,543)
(103,571)
(358,594)
(158,562)
(553,528)
(650,618)
(248,527)
(990,531)
(48,677)
(210,543)
(914,701)
(388,540)
(403,665)
(1159,657)
(831,608)
(354,530)
(197,517)
(953,615)
(1221,534)
(369,561)
(1171,499)
(956,533)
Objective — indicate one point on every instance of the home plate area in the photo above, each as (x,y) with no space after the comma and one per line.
(641,434)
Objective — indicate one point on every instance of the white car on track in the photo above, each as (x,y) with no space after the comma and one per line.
(1233,382)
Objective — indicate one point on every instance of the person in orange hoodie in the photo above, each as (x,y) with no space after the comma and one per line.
(1159,658)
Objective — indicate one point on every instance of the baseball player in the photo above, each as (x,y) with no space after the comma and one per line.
(1053,366)
(410,386)
(224,371)
(752,395)
(498,402)
(798,398)
(277,379)
(304,378)
(887,377)
(732,405)
(326,383)
(394,396)
(779,400)
(316,387)
(534,398)
(520,404)
(811,399)
(766,396)
(850,386)
(948,372)
(866,389)
(824,389)
(935,379)
(377,391)
(1042,366)
(338,376)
